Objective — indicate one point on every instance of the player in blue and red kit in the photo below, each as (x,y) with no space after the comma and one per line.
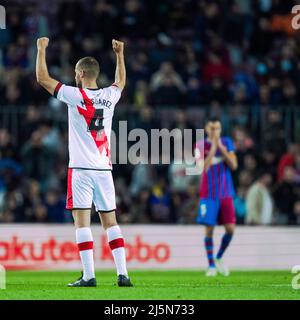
(216,191)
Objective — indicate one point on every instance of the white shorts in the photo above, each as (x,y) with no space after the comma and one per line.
(87,186)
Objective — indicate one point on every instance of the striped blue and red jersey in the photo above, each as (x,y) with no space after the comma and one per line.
(216,182)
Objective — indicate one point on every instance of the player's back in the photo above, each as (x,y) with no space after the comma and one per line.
(90,118)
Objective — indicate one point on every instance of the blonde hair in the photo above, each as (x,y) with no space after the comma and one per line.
(89,66)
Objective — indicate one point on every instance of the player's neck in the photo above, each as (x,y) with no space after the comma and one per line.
(89,85)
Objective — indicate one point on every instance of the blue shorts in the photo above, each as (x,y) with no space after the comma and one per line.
(216,211)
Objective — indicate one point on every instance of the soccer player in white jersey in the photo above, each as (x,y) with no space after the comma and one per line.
(90,111)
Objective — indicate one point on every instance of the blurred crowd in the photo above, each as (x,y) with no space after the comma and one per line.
(186,60)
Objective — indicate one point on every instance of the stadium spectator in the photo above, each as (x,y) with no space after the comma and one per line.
(268,161)
(32,198)
(194,92)
(30,123)
(216,91)
(40,214)
(161,206)
(38,158)
(287,160)
(250,164)
(140,207)
(142,178)
(141,94)
(55,206)
(259,201)
(167,86)
(273,133)
(7,148)
(187,212)
(244,144)
(216,66)
(286,195)
(239,202)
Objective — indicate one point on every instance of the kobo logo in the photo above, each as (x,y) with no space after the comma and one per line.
(296,278)
(139,250)
(2,17)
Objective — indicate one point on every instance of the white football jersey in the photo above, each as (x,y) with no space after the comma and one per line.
(90,114)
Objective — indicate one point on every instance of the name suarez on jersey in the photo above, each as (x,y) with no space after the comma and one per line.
(102,102)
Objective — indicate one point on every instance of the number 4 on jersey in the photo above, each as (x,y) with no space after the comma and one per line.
(96,123)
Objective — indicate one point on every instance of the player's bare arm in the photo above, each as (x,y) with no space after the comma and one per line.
(229,157)
(42,75)
(211,154)
(120,74)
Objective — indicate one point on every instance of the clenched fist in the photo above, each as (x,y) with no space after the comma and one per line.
(118,46)
(42,43)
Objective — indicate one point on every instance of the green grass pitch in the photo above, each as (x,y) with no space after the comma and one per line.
(178,285)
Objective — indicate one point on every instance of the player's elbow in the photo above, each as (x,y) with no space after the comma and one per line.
(40,80)
(43,81)
(46,84)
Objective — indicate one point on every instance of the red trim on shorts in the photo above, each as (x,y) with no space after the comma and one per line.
(115,85)
(117,243)
(69,190)
(88,245)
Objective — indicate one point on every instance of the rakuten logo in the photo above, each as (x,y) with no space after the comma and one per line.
(18,250)
(15,251)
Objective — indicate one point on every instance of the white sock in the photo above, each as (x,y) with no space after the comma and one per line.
(116,243)
(84,239)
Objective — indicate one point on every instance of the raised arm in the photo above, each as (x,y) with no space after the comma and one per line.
(120,75)
(42,75)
